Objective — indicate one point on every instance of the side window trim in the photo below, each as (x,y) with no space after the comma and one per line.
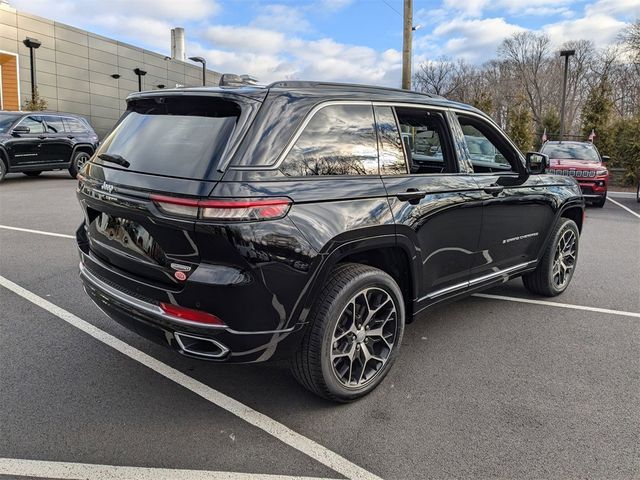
(26,117)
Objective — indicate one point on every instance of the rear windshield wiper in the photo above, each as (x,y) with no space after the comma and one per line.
(109,157)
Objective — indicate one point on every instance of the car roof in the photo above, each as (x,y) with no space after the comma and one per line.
(319,90)
(42,112)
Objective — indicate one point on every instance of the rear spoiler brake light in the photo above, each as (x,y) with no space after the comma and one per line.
(224,209)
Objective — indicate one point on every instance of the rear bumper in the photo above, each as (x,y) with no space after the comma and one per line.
(146,318)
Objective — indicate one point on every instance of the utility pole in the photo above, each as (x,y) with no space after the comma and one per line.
(566,54)
(406,44)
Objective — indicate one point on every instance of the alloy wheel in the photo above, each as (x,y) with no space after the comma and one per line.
(364,337)
(564,260)
(81,159)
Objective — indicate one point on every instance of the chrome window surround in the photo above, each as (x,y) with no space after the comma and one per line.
(320,106)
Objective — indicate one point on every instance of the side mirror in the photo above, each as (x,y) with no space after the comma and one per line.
(536,162)
(20,129)
(605,158)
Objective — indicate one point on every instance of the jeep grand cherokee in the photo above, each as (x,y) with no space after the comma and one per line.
(312,221)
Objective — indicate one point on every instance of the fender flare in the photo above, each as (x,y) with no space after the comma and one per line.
(571,203)
(81,145)
(328,259)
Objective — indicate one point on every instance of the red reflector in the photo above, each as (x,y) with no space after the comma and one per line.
(190,315)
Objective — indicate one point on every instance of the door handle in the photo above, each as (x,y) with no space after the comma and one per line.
(493,189)
(42,137)
(412,195)
(71,137)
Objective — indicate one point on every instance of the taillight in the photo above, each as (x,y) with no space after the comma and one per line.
(190,315)
(229,210)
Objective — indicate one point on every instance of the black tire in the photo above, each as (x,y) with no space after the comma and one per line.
(542,280)
(79,159)
(601,201)
(312,365)
(638,193)
(3,169)
(33,174)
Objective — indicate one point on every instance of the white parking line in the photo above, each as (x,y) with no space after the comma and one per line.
(83,471)
(621,194)
(622,206)
(557,304)
(272,427)
(39,232)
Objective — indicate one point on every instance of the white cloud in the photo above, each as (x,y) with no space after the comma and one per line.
(601,29)
(285,18)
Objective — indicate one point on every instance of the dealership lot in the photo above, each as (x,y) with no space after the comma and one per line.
(486,387)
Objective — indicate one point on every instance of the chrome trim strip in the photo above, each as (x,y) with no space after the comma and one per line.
(155,310)
(499,273)
(476,281)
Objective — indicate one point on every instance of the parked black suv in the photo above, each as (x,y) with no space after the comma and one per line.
(312,221)
(34,142)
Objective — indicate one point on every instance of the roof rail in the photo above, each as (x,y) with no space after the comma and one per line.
(312,84)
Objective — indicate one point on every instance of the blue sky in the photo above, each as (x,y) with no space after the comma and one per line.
(342,40)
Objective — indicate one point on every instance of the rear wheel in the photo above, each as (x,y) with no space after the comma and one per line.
(555,270)
(79,159)
(33,174)
(354,334)
(638,192)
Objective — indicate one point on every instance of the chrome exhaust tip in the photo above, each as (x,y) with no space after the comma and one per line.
(200,346)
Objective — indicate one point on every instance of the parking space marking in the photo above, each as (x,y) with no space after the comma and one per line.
(557,304)
(622,206)
(274,428)
(39,232)
(621,194)
(83,471)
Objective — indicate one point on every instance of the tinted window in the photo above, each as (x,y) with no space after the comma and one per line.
(424,136)
(179,137)
(581,151)
(74,125)
(338,140)
(392,161)
(34,123)
(54,124)
(488,152)
(6,121)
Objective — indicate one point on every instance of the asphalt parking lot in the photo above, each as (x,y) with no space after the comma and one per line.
(489,387)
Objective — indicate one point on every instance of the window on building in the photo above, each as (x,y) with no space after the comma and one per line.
(338,140)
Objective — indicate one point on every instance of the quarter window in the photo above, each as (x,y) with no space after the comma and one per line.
(34,123)
(338,140)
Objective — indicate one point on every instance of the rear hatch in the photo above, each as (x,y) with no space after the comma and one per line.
(166,146)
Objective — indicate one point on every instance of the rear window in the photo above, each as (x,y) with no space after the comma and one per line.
(181,137)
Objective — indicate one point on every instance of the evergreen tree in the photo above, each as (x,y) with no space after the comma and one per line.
(520,126)
(596,115)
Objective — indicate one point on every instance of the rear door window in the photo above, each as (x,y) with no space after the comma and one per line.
(74,125)
(182,137)
(54,124)
(338,140)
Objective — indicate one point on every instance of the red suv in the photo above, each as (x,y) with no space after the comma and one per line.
(582,161)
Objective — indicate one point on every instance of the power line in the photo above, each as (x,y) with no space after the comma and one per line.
(391,7)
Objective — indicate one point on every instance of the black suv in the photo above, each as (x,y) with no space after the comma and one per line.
(34,142)
(312,221)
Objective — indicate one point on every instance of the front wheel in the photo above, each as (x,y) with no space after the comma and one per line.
(354,334)
(556,268)
(79,159)
(601,201)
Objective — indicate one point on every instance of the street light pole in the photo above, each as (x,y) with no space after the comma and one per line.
(140,73)
(204,68)
(32,44)
(407,35)
(566,54)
